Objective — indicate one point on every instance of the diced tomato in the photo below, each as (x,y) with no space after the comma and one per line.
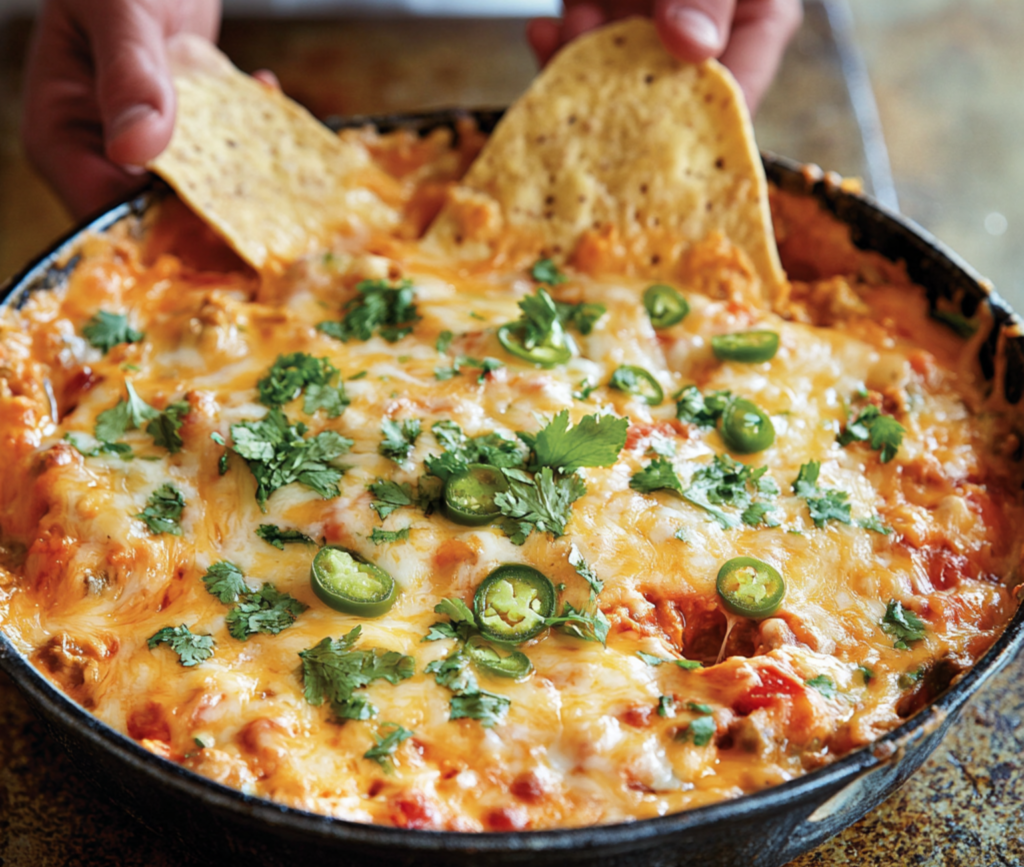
(774,686)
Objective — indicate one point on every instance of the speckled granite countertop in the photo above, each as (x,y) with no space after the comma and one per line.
(946,76)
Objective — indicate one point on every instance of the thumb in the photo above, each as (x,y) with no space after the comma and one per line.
(694,30)
(133,84)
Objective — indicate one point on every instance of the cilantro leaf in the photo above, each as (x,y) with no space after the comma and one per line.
(541,503)
(904,625)
(824,504)
(389,496)
(388,309)
(444,340)
(163,510)
(278,455)
(274,535)
(666,706)
(702,730)
(727,482)
(584,570)
(455,609)
(112,424)
(225,581)
(583,317)
(488,707)
(685,664)
(165,426)
(387,744)
(441,630)
(399,438)
(107,330)
(595,442)
(292,373)
(884,433)
(332,670)
(963,326)
(330,398)
(546,271)
(190,647)
(580,624)
(494,449)
(823,684)
(658,475)
(381,537)
(122,450)
(539,325)
(267,610)
(874,523)
(701,410)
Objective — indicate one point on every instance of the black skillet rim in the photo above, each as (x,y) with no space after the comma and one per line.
(960,284)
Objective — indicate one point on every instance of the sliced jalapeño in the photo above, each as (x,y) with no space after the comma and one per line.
(347,582)
(750,588)
(746,427)
(545,353)
(746,346)
(469,496)
(513,603)
(664,305)
(639,383)
(512,664)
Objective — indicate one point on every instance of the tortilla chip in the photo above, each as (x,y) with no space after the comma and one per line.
(256,166)
(618,143)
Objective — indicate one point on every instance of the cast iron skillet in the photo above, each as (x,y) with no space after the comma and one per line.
(761,830)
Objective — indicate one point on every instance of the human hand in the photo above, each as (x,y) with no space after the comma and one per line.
(748,36)
(99,101)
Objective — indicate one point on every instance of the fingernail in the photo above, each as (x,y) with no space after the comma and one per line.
(127,119)
(696,24)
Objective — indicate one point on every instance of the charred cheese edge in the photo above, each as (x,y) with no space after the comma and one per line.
(84,583)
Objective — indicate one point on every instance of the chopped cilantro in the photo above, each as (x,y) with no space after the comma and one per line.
(541,503)
(583,317)
(580,624)
(456,609)
(883,431)
(163,510)
(381,537)
(584,570)
(387,309)
(700,409)
(908,678)
(546,271)
(222,462)
(399,438)
(112,424)
(461,451)
(874,523)
(722,482)
(274,535)
(267,610)
(332,670)
(122,450)
(389,496)
(823,684)
(165,427)
(225,581)
(682,534)
(190,647)
(904,625)
(488,707)
(290,374)
(697,707)
(824,504)
(659,475)
(485,366)
(278,455)
(107,330)
(387,744)
(702,730)
(595,442)
(866,673)
(361,375)
(444,340)
(666,706)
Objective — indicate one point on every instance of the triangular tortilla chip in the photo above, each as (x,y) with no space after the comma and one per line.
(618,135)
(256,166)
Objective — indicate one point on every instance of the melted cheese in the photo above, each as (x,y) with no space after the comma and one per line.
(84,583)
